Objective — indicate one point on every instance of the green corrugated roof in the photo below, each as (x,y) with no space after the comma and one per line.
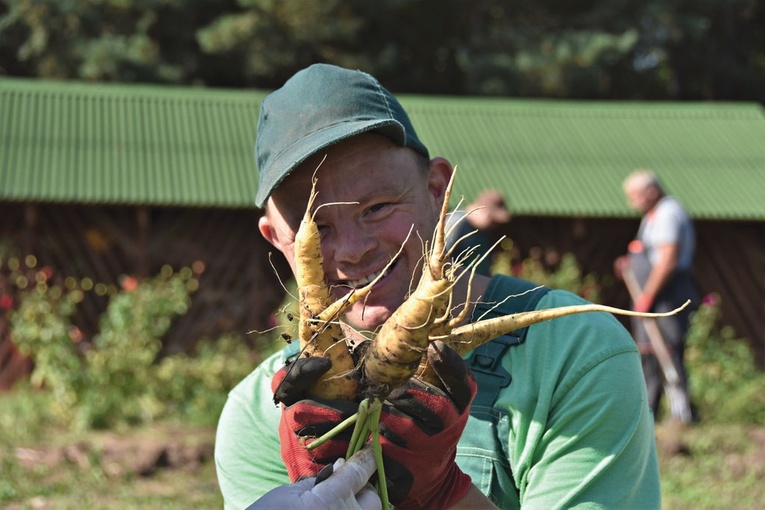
(132,144)
(570,157)
(127,144)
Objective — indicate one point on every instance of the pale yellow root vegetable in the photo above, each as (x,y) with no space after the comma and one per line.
(319,331)
(396,351)
(326,338)
(399,347)
(466,338)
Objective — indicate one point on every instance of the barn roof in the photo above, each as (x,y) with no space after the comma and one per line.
(138,144)
(126,144)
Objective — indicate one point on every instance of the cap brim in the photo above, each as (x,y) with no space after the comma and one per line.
(312,144)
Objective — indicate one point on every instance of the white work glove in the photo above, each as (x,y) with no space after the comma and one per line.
(346,488)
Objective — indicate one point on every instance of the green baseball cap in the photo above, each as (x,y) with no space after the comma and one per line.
(320,106)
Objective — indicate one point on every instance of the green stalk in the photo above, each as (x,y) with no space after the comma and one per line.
(366,421)
(382,485)
(335,431)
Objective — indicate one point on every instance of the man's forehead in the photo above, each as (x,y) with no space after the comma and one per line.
(289,200)
(346,155)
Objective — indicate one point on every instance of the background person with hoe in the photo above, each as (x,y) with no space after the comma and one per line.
(482,216)
(658,272)
(551,416)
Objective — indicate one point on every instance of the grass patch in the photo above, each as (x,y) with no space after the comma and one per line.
(724,467)
(43,465)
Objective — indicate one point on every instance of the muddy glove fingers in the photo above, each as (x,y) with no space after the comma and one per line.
(292,381)
(453,372)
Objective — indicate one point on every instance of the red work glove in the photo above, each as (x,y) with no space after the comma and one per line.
(643,303)
(420,426)
(304,419)
(419,433)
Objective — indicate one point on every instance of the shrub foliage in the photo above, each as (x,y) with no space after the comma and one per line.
(724,381)
(120,378)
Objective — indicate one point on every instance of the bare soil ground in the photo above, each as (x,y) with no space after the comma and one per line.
(160,467)
(127,455)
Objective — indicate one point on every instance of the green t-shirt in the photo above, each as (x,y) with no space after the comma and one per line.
(572,428)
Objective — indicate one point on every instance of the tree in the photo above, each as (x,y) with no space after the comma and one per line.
(618,49)
(705,50)
(108,40)
(407,45)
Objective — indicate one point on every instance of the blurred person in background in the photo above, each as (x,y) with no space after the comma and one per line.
(661,260)
(473,227)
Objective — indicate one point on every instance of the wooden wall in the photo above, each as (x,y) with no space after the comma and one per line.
(730,260)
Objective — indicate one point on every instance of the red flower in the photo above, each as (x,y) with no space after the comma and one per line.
(75,334)
(6,301)
(712,299)
(47,272)
(129,284)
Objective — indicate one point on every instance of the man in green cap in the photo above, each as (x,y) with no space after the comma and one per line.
(551,416)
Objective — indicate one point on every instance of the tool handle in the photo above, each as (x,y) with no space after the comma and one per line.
(652,329)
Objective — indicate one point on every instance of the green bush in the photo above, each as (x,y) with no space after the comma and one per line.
(125,350)
(119,379)
(41,330)
(565,274)
(725,384)
(195,387)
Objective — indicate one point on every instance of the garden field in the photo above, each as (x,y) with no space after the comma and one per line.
(168,466)
(112,424)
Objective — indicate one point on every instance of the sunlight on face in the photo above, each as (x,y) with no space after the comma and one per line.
(372,194)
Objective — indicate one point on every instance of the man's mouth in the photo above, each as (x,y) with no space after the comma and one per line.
(355,284)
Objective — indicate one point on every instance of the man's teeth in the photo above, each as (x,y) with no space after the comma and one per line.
(363,281)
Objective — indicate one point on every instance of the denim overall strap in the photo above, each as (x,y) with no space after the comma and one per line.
(483,451)
(486,360)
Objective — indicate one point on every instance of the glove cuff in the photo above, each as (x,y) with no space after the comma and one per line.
(454,487)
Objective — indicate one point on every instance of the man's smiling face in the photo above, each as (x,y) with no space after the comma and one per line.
(378,193)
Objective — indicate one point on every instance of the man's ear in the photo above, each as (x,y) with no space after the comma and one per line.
(268,232)
(439,174)
(655,192)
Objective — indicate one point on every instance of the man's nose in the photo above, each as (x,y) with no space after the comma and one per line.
(352,243)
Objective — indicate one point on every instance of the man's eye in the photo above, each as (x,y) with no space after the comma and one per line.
(378,207)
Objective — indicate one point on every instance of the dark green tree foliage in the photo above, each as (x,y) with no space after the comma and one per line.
(408,45)
(107,40)
(547,48)
(706,49)
(277,37)
(621,49)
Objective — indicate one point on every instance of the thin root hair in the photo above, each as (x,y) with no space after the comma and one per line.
(281,282)
(507,298)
